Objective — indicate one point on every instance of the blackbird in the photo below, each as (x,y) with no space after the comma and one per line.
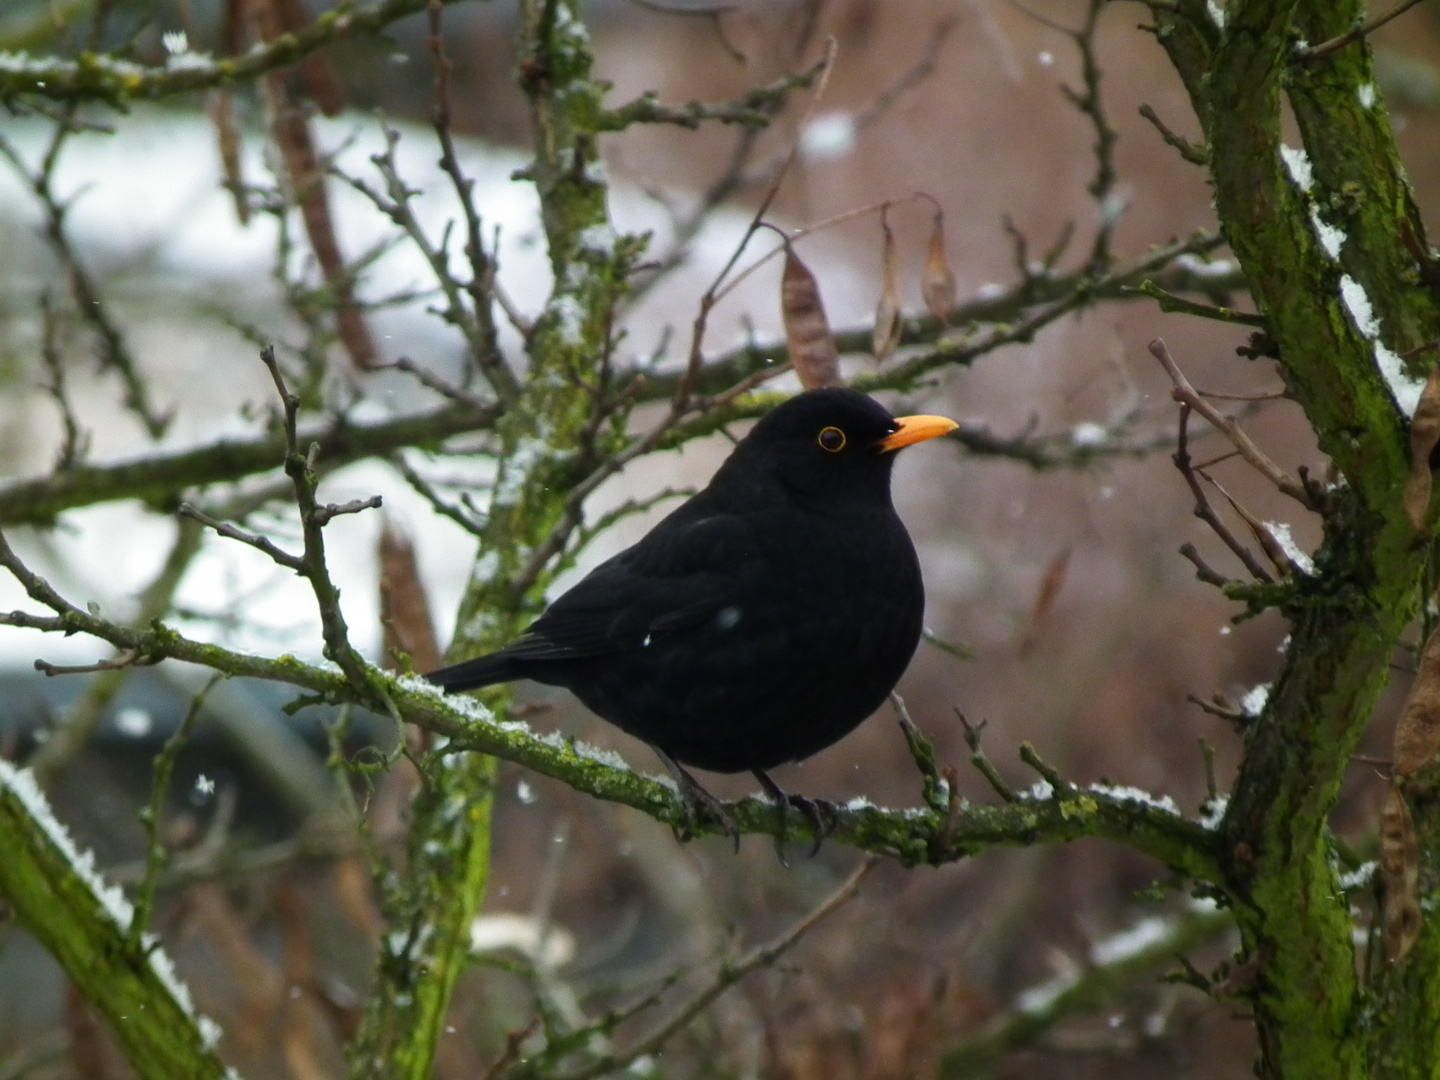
(760,621)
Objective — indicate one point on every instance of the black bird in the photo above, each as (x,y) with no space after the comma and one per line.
(760,621)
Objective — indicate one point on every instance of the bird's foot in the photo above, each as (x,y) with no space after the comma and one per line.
(699,803)
(821,814)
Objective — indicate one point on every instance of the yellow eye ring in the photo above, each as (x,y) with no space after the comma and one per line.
(832,439)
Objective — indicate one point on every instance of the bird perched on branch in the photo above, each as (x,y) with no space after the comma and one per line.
(760,621)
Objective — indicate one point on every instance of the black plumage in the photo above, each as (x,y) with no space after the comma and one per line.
(764,618)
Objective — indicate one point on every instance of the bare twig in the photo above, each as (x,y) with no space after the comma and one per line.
(982,763)
(90,305)
(155,850)
(1188,395)
(301,470)
(484,342)
(1356,33)
(755,108)
(1195,155)
(729,974)
(76,443)
(230,532)
(1206,513)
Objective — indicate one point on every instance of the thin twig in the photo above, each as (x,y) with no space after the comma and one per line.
(155,850)
(1356,33)
(1186,394)
(982,762)
(729,974)
(255,540)
(301,470)
(1206,513)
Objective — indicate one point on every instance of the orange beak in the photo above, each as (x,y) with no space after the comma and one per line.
(915,429)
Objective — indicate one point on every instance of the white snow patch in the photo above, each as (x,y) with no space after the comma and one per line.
(175,42)
(1217,13)
(1361,876)
(1298,164)
(1041,790)
(1197,267)
(597,240)
(829,137)
(1331,238)
(133,721)
(1089,434)
(1254,699)
(543,943)
(1039,998)
(1134,794)
(1212,814)
(1357,302)
(1280,530)
(1145,934)
(1365,93)
(1404,387)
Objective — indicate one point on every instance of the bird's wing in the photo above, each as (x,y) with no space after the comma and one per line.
(675,579)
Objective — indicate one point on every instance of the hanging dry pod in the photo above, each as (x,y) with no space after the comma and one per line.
(888,320)
(1400,873)
(938,283)
(1417,732)
(229,138)
(807,331)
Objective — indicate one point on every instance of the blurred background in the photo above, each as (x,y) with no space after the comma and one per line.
(1081,628)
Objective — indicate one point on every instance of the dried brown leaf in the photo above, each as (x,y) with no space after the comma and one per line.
(1400,872)
(232,28)
(315,69)
(888,320)
(229,139)
(1424,435)
(404,606)
(307,180)
(938,282)
(1050,587)
(1417,733)
(90,1054)
(807,331)
(260,986)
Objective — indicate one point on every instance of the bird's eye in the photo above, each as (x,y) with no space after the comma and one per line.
(832,439)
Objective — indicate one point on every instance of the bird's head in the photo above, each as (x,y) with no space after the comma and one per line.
(832,440)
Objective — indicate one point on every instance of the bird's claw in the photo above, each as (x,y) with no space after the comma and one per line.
(699,804)
(822,815)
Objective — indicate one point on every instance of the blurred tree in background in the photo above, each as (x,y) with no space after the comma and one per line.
(317,319)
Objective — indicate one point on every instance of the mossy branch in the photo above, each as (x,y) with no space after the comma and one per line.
(103,77)
(55,895)
(913,836)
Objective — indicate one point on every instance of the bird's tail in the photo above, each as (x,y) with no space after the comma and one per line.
(473,674)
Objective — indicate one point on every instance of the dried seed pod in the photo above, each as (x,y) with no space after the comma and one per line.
(1050,586)
(938,283)
(404,606)
(888,320)
(1424,434)
(306,176)
(1417,733)
(316,72)
(229,139)
(1400,871)
(807,332)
